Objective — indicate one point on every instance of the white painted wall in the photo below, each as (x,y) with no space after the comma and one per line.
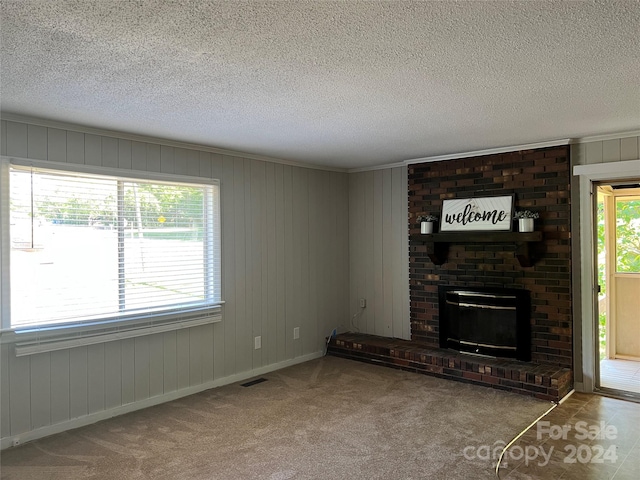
(605,151)
(285,250)
(379,252)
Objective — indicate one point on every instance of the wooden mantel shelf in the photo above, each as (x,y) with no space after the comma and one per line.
(438,243)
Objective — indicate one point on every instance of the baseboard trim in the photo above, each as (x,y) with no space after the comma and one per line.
(42,432)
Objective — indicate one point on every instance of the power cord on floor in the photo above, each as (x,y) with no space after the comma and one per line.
(334,332)
(353,324)
(517,437)
(355,315)
(508,445)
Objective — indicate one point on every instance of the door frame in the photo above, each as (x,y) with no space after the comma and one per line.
(613,277)
(588,175)
(610,259)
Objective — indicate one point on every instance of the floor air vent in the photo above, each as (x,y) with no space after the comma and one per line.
(253,382)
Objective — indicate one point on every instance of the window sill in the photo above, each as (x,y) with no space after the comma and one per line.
(34,341)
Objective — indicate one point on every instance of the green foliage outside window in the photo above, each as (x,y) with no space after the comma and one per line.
(602,315)
(628,236)
(159,206)
(627,249)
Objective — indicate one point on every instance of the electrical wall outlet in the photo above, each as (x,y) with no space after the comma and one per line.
(257,343)
(363,303)
(296,333)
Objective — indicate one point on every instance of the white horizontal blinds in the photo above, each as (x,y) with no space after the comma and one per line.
(164,245)
(63,255)
(91,247)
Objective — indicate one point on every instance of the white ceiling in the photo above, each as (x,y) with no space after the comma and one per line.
(341,84)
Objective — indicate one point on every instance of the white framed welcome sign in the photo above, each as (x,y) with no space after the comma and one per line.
(484,214)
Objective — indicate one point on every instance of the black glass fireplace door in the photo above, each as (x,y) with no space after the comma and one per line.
(485,321)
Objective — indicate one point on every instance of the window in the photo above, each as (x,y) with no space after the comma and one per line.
(628,234)
(90,249)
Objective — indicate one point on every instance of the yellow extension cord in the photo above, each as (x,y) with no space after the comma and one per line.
(504,450)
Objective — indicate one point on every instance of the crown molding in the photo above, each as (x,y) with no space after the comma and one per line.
(377,167)
(605,137)
(490,151)
(232,153)
(513,148)
(474,153)
(12,117)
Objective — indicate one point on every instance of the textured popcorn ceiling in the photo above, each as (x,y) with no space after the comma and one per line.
(347,84)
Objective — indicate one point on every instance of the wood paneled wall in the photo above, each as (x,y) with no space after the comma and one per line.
(605,151)
(285,249)
(379,252)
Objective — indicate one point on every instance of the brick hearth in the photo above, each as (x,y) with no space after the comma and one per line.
(544,381)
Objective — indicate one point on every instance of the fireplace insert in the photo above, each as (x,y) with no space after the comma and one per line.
(486,321)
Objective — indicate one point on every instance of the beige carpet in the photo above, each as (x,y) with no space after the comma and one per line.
(330,418)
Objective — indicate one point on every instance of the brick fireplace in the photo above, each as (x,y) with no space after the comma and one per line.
(539,180)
